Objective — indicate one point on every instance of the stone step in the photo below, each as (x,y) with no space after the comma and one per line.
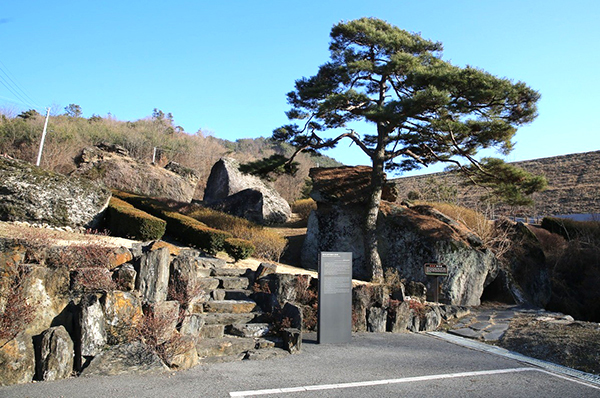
(224,346)
(208,283)
(249,329)
(212,331)
(229,272)
(231,294)
(233,282)
(216,318)
(230,306)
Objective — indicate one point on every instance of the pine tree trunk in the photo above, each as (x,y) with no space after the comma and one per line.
(373,260)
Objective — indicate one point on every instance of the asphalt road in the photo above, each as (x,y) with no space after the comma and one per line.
(372,365)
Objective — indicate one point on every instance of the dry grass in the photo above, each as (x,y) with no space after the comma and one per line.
(269,245)
(53,237)
(474,220)
(303,208)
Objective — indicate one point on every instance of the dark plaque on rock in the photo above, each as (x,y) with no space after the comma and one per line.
(335,297)
(434,269)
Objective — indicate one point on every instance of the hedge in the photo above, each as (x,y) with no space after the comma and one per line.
(129,222)
(239,249)
(571,229)
(193,232)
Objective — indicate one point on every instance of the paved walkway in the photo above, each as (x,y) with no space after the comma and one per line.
(490,324)
(485,324)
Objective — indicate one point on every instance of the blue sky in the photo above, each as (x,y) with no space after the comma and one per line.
(225,67)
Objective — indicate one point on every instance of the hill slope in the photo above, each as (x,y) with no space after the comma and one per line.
(573,187)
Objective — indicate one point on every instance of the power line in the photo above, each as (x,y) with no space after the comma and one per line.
(15,89)
(4,70)
(20,98)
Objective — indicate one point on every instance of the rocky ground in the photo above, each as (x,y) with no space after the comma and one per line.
(548,336)
(540,334)
(573,344)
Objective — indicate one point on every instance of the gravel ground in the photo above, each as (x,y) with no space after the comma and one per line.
(573,344)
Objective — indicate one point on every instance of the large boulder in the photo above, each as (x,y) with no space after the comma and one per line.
(153,275)
(92,327)
(57,354)
(113,165)
(408,237)
(32,194)
(243,195)
(17,360)
(524,276)
(127,358)
(47,290)
(123,315)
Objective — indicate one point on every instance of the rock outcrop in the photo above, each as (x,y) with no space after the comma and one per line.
(524,276)
(408,237)
(127,358)
(66,320)
(242,195)
(17,360)
(32,194)
(112,165)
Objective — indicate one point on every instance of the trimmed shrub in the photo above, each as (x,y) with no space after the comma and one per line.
(268,244)
(193,232)
(185,229)
(239,249)
(129,222)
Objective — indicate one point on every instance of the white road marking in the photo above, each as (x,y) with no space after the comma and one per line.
(395,381)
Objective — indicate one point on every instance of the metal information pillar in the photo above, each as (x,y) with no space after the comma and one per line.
(335,297)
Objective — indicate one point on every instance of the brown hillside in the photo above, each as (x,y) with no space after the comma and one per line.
(573,186)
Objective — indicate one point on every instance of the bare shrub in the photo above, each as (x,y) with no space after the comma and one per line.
(418,308)
(81,256)
(261,288)
(156,331)
(553,245)
(92,280)
(16,312)
(306,294)
(89,265)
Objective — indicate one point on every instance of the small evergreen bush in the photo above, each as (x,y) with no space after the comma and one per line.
(193,232)
(129,222)
(239,249)
(183,228)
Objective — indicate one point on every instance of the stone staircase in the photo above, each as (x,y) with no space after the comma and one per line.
(233,326)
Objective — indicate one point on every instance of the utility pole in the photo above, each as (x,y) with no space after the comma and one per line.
(39,158)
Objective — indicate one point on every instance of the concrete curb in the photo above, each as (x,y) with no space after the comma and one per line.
(549,366)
